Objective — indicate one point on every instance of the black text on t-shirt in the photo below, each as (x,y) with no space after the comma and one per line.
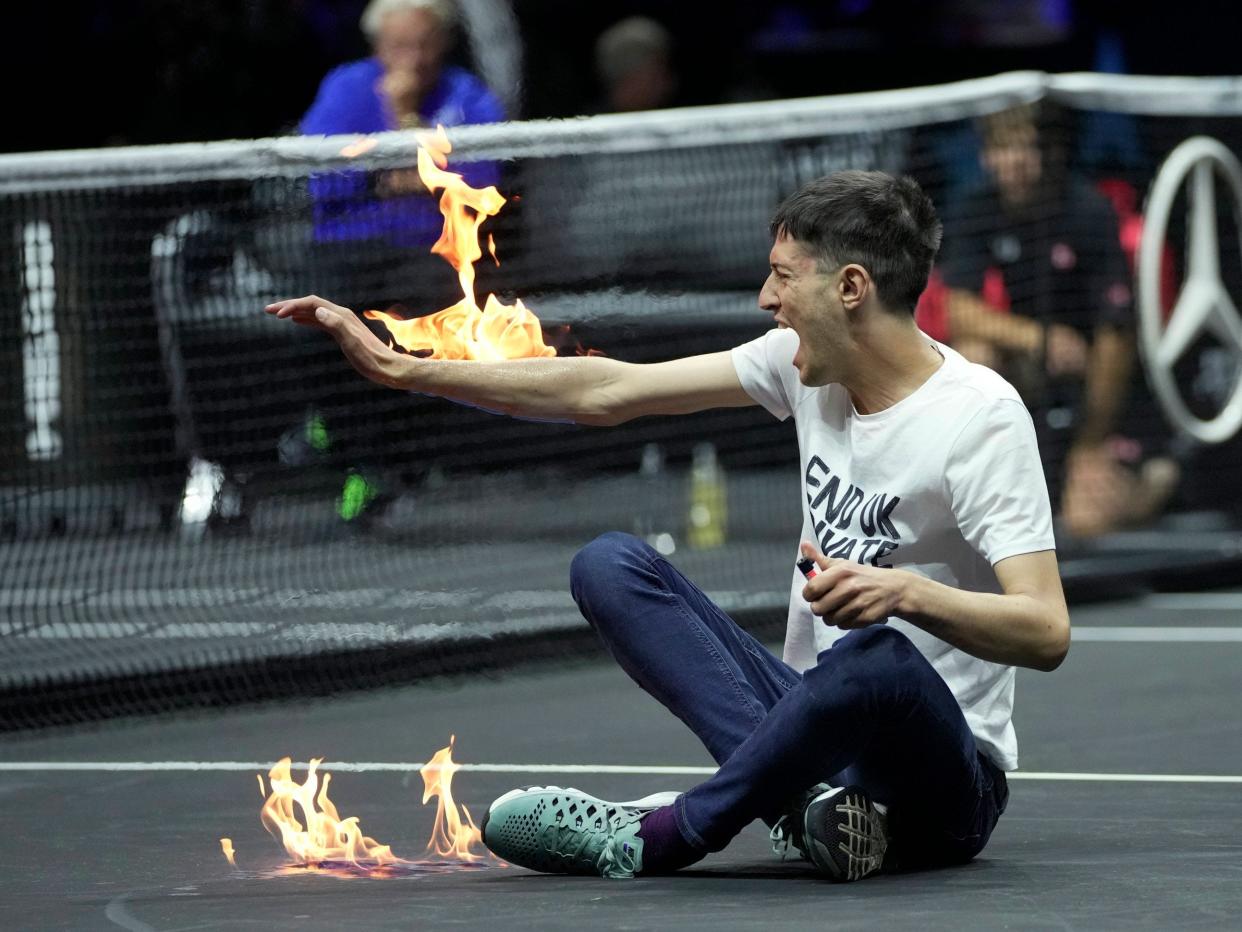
(835,512)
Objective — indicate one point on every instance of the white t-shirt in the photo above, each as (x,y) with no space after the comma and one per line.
(945,483)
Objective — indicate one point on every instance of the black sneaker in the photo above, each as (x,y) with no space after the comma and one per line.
(838,829)
(787,832)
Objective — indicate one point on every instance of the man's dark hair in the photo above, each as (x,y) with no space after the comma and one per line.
(885,224)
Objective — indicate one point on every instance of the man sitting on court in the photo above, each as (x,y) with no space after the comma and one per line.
(882,737)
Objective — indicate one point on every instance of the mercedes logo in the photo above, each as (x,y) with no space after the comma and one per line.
(1203,305)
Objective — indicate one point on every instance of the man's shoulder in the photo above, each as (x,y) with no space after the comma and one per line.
(1082,192)
(461,83)
(360,73)
(461,98)
(978,205)
(347,101)
(976,385)
(1087,207)
(772,352)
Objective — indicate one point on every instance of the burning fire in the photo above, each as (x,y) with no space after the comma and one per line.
(452,836)
(320,839)
(325,838)
(463,331)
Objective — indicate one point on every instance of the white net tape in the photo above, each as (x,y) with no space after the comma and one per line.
(731,124)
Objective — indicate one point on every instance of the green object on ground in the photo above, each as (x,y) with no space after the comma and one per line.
(355,496)
(317,434)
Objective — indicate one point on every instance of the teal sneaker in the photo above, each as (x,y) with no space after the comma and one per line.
(565,831)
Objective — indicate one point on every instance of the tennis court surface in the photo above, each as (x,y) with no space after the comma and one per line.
(1125,813)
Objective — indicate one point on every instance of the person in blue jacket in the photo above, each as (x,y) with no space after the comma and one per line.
(406,84)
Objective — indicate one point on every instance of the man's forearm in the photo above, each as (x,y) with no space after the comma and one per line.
(972,319)
(1013,628)
(556,389)
(1108,378)
(585,389)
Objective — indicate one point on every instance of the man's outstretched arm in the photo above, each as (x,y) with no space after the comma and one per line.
(591,390)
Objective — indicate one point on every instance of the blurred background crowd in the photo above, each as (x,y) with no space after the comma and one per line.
(115,72)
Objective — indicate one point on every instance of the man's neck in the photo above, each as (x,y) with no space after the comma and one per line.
(892,360)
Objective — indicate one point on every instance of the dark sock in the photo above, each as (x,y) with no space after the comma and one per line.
(664,848)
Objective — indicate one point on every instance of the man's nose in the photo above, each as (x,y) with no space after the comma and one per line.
(767,295)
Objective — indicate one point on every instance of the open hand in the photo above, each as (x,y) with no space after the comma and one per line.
(361,347)
(850,595)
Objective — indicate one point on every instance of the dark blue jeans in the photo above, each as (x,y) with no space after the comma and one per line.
(872,712)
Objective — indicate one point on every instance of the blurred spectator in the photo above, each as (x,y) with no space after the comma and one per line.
(406,83)
(1039,289)
(372,230)
(633,60)
(1008,23)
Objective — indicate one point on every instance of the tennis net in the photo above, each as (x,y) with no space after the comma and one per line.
(200,504)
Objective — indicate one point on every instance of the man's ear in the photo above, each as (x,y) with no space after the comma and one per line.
(854,286)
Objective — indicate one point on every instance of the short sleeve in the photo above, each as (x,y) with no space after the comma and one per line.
(1108,271)
(995,484)
(762,365)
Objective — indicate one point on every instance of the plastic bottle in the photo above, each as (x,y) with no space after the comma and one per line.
(651,512)
(709,501)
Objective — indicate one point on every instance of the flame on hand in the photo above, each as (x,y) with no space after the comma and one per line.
(463,331)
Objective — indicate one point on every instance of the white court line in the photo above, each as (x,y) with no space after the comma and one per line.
(1151,634)
(388,633)
(1210,601)
(629,769)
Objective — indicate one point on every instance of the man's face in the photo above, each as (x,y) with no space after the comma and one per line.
(802,298)
(1016,164)
(413,41)
(649,85)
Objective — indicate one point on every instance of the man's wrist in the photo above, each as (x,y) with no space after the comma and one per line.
(403,371)
(910,595)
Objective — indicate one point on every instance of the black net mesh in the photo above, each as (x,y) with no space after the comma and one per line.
(199,503)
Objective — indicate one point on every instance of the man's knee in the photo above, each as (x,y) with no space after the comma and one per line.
(600,561)
(871,656)
(873,639)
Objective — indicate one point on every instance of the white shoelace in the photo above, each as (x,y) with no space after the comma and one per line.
(781,840)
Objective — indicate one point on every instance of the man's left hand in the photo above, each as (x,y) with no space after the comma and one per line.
(850,595)
(361,347)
